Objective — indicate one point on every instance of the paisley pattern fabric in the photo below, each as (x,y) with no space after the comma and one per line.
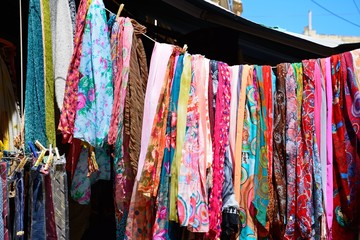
(342,214)
(292,132)
(261,184)
(346,160)
(216,141)
(95,93)
(248,159)
(352,118)
(279,155)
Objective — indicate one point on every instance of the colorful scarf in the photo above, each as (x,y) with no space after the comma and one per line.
(261,184)
(221,141)
(68,112)
(279,155)
(161,225)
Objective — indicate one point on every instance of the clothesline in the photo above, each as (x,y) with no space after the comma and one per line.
(141,33)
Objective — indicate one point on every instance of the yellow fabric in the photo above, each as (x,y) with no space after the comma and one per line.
(49,84)
(239,130)
(180,135)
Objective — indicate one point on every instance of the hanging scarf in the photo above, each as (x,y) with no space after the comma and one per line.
(261,194)
(150,176)
(35,126)
(248,158)
(309,195)
(292,132)
(329,147)
(161,225)
(269,78)
(68,112)
(279,171)
(180,135)
(121,38)
(352,116)
(48,73)
(117,44)
(239,134)
(135,96)
(94,104)
(341,189)
(158,65)
(221,141)
(140,216)
(192,196)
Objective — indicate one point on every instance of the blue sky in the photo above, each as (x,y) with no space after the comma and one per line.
(292,15)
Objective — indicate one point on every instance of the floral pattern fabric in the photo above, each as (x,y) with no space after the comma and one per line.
(80,189)
(161,224)
(95,93)
(68,112)
(150,177)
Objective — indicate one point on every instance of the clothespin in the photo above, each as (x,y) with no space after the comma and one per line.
(32,148)
(21,164)
(121,7)
(49,161)
(40,158)
(185,47)
(57,154)
(40,146)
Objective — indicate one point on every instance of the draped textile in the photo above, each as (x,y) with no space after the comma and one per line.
(248,158)
(261,184)
(192,195)
(161,225)
(221,141)
(35,127)
(94,103)
(68,112)
(180,136)
(279,155)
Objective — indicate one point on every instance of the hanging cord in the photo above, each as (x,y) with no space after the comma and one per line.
(141,33)
(21,76)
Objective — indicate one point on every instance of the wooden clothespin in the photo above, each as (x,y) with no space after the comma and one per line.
(121,7)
